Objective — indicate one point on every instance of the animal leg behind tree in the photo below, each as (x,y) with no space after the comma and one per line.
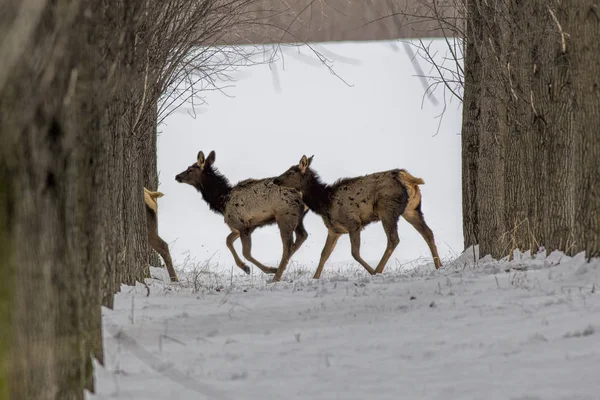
(416,219)
(330,243)
(231,238)
(390,226)
(159,245)
(355,249)
(246,251)
(162,248)
(287,240)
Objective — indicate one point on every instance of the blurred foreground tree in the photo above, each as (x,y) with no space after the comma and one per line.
(55,83)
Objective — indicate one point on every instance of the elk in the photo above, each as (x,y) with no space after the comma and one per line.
(155,241)
(248,205)
(350,204)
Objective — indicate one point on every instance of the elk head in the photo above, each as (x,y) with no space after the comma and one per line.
(297,176)
(195,174)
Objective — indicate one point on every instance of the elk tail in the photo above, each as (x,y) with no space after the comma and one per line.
(409,180)
(150,199)
(411,184)
(154,195)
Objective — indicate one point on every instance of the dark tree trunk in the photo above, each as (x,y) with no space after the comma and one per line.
(136,235)
(55,198)
(149,162)
(483,173)
(39,155)
(538,166)
(115,260)
(583,50)
(471,126)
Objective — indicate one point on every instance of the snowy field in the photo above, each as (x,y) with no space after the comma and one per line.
(527,329)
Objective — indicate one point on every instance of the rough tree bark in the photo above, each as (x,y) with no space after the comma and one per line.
(583,25)
(37,156)
(538,166)
(471,126)
(482,123)
(54,206)
(150,169)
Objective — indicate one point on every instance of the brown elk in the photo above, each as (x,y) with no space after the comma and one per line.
(250,204)
(155,241)
(350,204)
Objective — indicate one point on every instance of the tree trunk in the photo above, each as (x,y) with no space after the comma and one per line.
(115,260)
(471,125)
(538,165)
(55,197)
(149,162)
(136,235)
(482,136)
(36,160)
(583,49)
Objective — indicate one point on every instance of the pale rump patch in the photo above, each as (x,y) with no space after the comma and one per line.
(150,199)
(411,184)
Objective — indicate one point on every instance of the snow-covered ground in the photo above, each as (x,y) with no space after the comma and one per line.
(525,329)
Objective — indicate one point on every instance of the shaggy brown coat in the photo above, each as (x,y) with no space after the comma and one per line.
(350,204)
(250,204)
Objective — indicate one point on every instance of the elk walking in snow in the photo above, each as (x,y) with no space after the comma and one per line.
(350,204)
(250,204)
(155,241)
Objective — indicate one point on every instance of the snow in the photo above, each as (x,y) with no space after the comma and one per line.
(276,113)
(522,329)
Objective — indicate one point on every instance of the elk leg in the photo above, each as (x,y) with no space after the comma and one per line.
(416,219)
(330,243)
(390,226)
(162,248)
(355,249)
(246,251)
(301,236)
(288,241)
(232,237)
(159,245)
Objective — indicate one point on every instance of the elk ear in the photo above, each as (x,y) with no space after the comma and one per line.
(211,158)
(201,159)
(304,163)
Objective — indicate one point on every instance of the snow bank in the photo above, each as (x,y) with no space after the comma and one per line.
(524,329)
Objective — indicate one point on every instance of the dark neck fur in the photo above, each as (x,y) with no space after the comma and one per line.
(317,195)
(215,189)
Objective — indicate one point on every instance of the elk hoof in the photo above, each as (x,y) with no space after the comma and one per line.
(246,269)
